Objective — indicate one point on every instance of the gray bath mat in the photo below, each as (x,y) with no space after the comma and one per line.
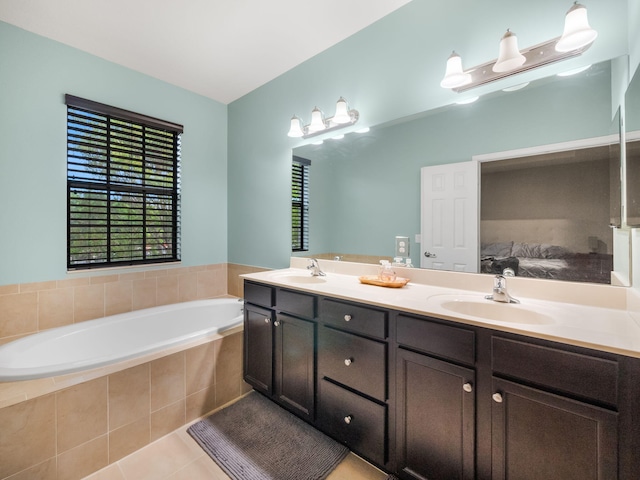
(254,439)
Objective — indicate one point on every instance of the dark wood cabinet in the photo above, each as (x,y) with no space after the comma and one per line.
(258,348)
(294,379)
(435,419)
(536,434)
(279,349)
(427,398)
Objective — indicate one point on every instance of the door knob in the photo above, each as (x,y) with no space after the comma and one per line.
(348,361)
(429,255)
(467,387)
(497,397)
(348,419)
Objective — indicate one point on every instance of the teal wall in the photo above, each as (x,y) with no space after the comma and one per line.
(237,158)
(35,74)
(389,70)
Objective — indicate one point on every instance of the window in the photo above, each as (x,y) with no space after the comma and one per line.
(123,185)
(300,204)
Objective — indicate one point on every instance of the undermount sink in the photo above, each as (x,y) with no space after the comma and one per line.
(297,278)
(489,310)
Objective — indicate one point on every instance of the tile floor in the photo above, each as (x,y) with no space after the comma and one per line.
(178,457)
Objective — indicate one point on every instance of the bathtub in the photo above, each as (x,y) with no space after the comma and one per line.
(104,341)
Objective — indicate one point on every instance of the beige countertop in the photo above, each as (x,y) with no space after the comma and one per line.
(600,321)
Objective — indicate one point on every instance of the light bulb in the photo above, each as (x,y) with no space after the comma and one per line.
(454,76)
(577,32)
(510,57)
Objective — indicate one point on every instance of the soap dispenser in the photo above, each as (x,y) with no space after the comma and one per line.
(386,273)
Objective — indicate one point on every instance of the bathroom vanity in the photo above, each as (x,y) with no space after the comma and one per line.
(432,395)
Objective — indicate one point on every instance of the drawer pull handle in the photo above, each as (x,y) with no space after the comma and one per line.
(267,320)
(348,419)
(467,387)
(347,318)
(348,361)
(497,398)
(276,323)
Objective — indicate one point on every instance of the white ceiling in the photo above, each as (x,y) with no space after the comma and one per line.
(221,49)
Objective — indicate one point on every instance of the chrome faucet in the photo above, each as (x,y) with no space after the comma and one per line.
(500,293)
(315,268)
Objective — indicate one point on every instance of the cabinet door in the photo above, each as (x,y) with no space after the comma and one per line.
(435,418)
(540,435)
(258,348)
(295,364)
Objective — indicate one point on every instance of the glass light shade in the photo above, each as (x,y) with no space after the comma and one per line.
(577,32)
(342,112)
(317,121)
(296,128)
(454,76)
(510,57)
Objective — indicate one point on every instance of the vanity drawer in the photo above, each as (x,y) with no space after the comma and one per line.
(354,318)
(353,420)
(259,294)
(354,361)
(296,303)
(436,338)
(569,372)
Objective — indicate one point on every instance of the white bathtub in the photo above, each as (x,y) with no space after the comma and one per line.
(108,340)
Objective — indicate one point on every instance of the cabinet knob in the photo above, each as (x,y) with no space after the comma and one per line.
(467,387)
(348,361)
(348,419)
(267,320)
(347,318)
(497,397)
(276,323)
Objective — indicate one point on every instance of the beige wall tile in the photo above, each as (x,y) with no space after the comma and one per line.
(167,380)
(84,459)
(9,289)
(128,439)
(55,308)
(229,368)
(155,273)
(168,419)
(73,282)
(27,434)
(81,413)
(131,277)
(167,290)
(200,403)
(144,293)
(36,286)
(88,302)
(118,297)
(200,367)
(128,396)
(18,314)
(210,284)
(188,287)
(43,471)
(104,279)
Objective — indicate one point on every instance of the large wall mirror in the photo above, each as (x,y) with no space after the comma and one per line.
(365,188)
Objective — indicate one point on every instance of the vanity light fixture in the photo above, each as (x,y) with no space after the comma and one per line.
(576,38)
(343,117)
